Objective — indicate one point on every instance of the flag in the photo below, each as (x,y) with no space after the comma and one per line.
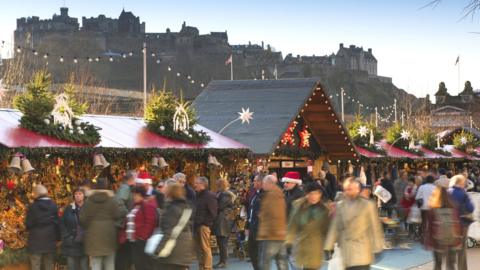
(229,60)
(458,60)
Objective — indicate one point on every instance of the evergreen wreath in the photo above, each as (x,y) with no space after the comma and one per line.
(429,141)
(164,113)
(38,104)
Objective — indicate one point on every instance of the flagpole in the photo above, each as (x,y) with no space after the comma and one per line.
(459,84)
(231,67)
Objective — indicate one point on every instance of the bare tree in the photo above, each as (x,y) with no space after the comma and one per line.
(469,10)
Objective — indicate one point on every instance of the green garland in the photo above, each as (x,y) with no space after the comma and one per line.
(11,257)
(296,152)
(112,153)
(364,141)
(37,104)
(159,116)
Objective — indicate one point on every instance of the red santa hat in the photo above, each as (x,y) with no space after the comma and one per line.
(143,178)
(292,177)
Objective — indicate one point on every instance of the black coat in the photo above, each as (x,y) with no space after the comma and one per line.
(387,184)
(190,194)
(332,187)
(293,195)
(254,210)
(225,216)
(183,252)
(72,233)
(206,208)
(42,224)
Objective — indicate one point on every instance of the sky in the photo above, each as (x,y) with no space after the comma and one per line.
(415,46)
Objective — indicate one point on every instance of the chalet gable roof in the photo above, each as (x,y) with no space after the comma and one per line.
(275,103)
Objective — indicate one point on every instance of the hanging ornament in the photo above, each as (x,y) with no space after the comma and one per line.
(10,185)
(180,118)
(363,131)
(62,113)
(305,138)
(288,136)
(463,140)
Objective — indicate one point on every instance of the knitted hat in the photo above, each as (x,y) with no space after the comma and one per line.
(292,177)
(143,178)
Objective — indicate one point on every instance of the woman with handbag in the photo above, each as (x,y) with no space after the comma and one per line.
(141,222)
(175,251)
(73,234)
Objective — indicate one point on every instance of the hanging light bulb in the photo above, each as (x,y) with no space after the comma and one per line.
(19,49)
(35,52)
(193,81)
(61,59)
(89,59)
(75,60)
(124,55)
(153,54)
(158,61)
(97,59)
(178,74)
(169,68)
(189,77)
(45,56)
(202,85)
(130,53)
(110,59)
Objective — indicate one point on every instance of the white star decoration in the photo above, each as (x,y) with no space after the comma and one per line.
(405,134)
(245,115)
(463,140)
(363,131)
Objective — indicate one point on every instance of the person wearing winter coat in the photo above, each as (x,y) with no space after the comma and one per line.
(43,225)
(292,188)
(206,209)
(222,227)
(181,179)
(465,209)
(308,227)
(141,221)
(181,255)
(123,258)
(252,222)
(272,226)
(387,184)
(73,234)
(356,228)
(444,232)
(100,217)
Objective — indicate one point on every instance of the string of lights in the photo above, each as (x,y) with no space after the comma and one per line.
(108,57)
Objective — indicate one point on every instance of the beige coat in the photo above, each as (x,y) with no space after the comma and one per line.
(273,216)
(357,230)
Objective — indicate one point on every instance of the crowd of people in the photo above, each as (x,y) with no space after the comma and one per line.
(294,223)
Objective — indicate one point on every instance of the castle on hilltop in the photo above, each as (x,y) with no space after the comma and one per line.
(200,56)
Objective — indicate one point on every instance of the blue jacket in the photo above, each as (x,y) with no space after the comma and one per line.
(464,205)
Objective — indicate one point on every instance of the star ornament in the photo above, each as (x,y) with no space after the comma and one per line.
(245,115)
(405,134)
(363,131)
(463,140)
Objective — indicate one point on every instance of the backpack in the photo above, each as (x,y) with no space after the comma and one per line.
(447,227)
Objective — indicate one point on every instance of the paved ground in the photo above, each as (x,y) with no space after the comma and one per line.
(473,260)
(397,259)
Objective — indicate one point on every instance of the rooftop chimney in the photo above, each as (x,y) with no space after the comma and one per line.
(341,45)
(370,50)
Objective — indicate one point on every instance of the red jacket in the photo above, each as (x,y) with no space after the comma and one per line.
(146,220)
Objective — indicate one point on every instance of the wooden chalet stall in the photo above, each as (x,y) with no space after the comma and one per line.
(294,125)
(62,166)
